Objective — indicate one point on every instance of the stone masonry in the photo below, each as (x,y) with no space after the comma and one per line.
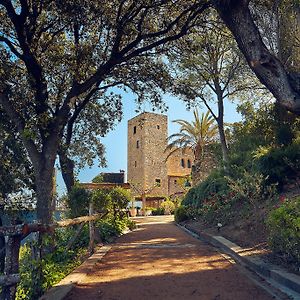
(149,170)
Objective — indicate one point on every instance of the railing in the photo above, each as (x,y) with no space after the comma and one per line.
(16,233)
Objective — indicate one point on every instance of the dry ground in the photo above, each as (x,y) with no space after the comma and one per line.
(160,261)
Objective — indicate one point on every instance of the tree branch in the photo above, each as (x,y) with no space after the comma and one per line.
(269,70)
(11,47)
(17,119)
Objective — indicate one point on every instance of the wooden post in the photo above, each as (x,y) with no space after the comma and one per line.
(12,249)
(92,229)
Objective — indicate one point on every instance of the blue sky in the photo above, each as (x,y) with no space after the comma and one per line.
(116,141)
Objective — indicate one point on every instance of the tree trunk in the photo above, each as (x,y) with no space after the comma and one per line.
(220,122)
(67,170)
(269,70)
(223,144)
(11,265)
(44,194)
(289,35)
(196,172)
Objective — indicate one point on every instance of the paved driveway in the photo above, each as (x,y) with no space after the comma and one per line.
(160,261)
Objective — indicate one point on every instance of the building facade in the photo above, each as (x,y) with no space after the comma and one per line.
(151,169)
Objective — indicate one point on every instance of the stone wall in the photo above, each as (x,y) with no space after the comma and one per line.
(148,160)
(179,165)
(147,135)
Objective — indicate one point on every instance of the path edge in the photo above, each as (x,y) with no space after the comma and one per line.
(274,274)
(60,290)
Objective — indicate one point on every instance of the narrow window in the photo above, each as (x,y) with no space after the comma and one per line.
(157,126)
(157,182)
(134,130)
(182,163)
(175,181)
(189,164)
(135,164)
(138,144)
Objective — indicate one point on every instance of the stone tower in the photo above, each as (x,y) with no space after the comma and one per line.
(147,141)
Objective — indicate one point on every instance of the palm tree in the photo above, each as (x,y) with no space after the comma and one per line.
(196,135)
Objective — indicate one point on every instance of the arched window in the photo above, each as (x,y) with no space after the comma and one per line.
(182,163)
(138,144)
(189,164)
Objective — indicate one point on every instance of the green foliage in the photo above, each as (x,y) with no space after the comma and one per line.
(281,165)
(216,198)
(110,227)
(158,211)
(16,171)
(251,188)
(181,214)
(101,199)
(55,266)
(168,206)
(196,135)
(98,179)
(284,134)
(60,262)
(120,198)
(284,227)
(64,235)
(78,202)
(215,183)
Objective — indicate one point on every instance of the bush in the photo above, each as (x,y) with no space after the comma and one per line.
(101,199)
(181,214)
(281,165)
(215,183)
(56,266)
(158,211)
(78,202)
(284,228)
(251,188)
(168,206)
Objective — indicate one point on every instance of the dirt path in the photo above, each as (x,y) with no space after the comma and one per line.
(159,261)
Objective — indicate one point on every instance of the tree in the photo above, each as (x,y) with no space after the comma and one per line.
(196,135)
(281,80)
(82,138)
(210,69)
(56,55)
(81,142)
(15,169)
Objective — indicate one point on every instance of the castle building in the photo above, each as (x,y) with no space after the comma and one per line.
(152,170)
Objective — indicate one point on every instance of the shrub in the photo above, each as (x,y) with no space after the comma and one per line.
(284,231)
(158,211)
(281,165)
(115,200)
(101,199)
(120,199)
(181,214)
(56,266)
(78,202)
(168,206)
(215,183)
(251,188)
